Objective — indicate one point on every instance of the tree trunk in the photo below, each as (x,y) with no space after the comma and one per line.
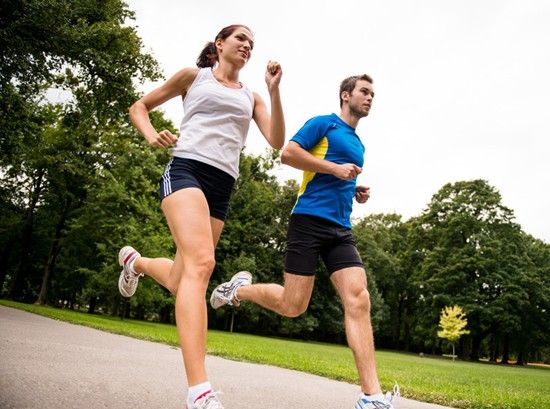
(26,237)
(165,314)
(521,358)
(398,324)
(55,248)
(493,349)
(406,337)
(505,352)
(476,345)
(139,312)
(4,262)
(92,304)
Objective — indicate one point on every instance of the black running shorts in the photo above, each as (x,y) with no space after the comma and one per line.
(216,184)
(309,237)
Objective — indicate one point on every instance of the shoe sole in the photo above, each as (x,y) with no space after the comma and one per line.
(120,287)
(122,291)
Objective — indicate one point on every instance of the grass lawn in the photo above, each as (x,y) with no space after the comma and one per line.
(457,384)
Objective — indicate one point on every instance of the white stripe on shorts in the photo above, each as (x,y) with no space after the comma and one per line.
(166,179)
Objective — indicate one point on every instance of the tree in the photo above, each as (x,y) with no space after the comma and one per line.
(73,43)
(452,323)
(459,241)
(380,241)
(89,52)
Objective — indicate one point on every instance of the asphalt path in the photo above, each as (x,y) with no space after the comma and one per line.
(45,363)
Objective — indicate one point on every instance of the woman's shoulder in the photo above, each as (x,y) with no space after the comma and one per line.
(183,79)
(187,73)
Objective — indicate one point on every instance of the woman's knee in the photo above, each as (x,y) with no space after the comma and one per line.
(206,264)
(198,269)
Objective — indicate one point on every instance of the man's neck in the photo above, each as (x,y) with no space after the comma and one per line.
(349,119)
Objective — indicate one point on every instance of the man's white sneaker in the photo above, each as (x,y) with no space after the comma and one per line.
(128,280)
(209,401)
(364,402)
(225,293)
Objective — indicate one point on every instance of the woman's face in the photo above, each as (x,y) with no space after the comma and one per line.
(237,48)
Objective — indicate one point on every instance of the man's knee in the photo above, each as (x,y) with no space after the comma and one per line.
(359,302)
(293,310)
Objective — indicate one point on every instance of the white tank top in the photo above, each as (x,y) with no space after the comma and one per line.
(215,123)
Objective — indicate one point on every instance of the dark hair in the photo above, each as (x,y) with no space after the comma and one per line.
(209,54)
(349,84)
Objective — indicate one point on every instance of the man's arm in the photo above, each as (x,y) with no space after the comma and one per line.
(297,157)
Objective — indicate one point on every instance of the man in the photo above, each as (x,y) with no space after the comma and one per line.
(331,154)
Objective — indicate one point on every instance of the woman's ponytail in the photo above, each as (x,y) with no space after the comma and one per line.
(208,56)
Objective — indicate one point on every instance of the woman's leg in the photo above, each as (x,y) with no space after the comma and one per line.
(187,214)
(158,268)
(167,272)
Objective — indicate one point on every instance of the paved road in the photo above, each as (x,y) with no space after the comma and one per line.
(50,364)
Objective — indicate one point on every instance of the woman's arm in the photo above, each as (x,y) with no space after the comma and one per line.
(177,85)
(272,126)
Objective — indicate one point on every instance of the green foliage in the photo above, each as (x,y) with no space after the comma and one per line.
(452,323)
(52,154)
(78,44)
(380,240)
(454,237)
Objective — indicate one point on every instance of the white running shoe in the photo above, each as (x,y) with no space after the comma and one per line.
(128,280)
(365,403)
(225,293)
(209,401)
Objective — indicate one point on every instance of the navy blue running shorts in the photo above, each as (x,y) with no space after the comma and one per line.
(217,185)
(309,237)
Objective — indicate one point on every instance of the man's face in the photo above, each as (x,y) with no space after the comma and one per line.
(360,100)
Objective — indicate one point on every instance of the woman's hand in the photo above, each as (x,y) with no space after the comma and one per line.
(163,139)
(273,74)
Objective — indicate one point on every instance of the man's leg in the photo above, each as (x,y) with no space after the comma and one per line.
(351,285)
(290,300)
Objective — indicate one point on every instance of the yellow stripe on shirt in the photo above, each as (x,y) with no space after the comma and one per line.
(319,151)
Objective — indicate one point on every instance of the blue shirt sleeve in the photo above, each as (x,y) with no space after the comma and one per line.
(311,132)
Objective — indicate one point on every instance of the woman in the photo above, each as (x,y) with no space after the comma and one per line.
(197,183)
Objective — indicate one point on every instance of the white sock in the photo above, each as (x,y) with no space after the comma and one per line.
(377,397)
(196,391)
(131,265)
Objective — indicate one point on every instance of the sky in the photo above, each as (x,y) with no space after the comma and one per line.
(462,87)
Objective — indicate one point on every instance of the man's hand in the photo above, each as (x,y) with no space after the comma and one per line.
(362,194)
(346,171)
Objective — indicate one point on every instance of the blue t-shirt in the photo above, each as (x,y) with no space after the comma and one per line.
(323,195)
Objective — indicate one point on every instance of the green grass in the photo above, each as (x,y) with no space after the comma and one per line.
(457,384)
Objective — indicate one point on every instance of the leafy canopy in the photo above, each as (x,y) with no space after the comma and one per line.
(452,323)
